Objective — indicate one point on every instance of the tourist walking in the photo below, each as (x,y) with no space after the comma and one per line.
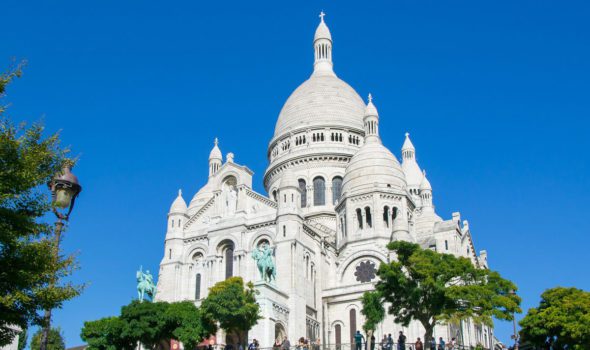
(441,344)
(373,342)
(286,344)
(358,340)
(419,345)
(432,343)
(384,342)
(277,344)
(401,341)
(389,342)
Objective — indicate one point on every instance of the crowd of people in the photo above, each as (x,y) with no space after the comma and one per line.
(360,343)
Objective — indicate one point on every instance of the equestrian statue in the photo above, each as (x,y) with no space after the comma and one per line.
(145,284)
(264,260)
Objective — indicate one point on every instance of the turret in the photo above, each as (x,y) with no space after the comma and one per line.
(215,159)
(322,44)
(411,168)
(177,213)
(289,195)
(425,192)
(177,217)
(371,121)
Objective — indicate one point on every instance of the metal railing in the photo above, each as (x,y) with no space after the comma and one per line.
(347,346)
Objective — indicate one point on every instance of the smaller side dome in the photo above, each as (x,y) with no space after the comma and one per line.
(179,205)
(288,180)
(425,184)
(215,152)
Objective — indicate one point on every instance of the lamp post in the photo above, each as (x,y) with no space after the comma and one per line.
(514,335)
(64,189)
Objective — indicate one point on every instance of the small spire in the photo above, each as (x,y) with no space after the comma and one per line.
(322,14)
(216,141)
(408,146)
(370,98)
(179,192)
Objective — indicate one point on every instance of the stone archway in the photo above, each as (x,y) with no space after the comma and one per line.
(280,332)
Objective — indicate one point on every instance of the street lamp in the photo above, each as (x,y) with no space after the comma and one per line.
(64,189)
(515,336)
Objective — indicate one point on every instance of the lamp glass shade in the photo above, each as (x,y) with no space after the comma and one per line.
(63,197)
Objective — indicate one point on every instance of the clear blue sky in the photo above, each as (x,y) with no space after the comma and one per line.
(495,95)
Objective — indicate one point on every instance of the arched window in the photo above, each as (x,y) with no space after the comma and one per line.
(303,190)
(338,333)
(198,286)
(352,316)
(336,189)
(228,256)
(386,216)
(359,218)
(393,214)
(274,195)
(368,217)
(319,191)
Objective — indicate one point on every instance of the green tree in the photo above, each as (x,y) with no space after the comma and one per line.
(55,341)
(374,313)
(189,326)
(22,339)
(146,322)
(106,334)
(233,306)
(563,313)
(28,160)
(430,287)
(151,324)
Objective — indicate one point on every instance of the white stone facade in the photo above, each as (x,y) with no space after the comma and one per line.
(337,196)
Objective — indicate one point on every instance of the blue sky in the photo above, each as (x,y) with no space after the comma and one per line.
(495,95)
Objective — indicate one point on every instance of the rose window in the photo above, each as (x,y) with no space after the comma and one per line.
(365,271)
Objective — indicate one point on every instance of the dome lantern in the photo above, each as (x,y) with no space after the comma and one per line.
(322,44)
(371,121)
(215,159)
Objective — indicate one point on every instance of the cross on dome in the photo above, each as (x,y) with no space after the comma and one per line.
(322,14)
(216,141)
(179,192)
(370,98)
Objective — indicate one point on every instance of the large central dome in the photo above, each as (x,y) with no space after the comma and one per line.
(322,100)
(319,127)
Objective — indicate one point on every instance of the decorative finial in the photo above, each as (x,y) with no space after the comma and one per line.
(179,192)
(216,141)
(407,134)
(370,98)
(322,14)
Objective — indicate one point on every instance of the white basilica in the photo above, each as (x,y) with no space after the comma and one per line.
(337,196)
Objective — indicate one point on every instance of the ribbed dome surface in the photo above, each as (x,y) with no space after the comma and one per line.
(321,100)
(373,165)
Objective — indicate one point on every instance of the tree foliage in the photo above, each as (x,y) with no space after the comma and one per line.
(151,324)
(55,340)
(22,339)
(564,314)
(28,160)
(374,313)
(430,287)
(233,306)
(106,334)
